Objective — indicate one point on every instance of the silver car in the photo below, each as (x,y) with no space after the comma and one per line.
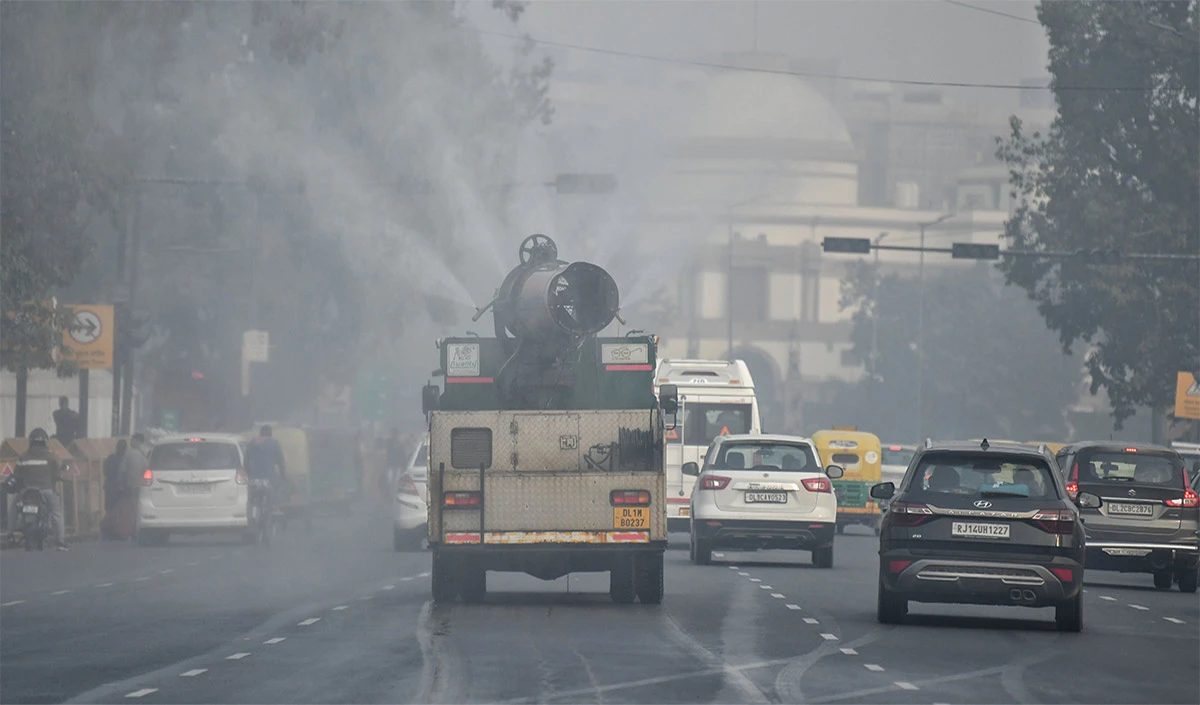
(410,509)
(763,492)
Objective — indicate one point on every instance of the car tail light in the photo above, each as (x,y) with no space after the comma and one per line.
(240,477)
(407,486)
(898,566)
(817,484)
(1189,500)
(714,482)
(147,478)
(1066,575)
(461,499)
(1073,485)
(629,498)
(909,513)
(1055,521)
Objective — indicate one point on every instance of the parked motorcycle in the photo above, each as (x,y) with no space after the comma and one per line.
(32,513)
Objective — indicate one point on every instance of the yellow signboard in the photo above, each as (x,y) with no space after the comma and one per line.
(1187,396)
(89,343)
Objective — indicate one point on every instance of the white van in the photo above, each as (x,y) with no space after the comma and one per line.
(716,398)
(195,484)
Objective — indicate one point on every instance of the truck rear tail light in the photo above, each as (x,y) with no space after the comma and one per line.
(898,566)
(147,478)
(909,513)
(240,477)
(1055,521)
(817,484)
(629,498)
(1073,485)
(407,486)
(1189,500)
(714,482)
(460,499)
(1066,575)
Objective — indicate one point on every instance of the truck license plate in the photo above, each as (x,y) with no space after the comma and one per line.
(1137,510)
(766,497)
(979,530)
(631,517)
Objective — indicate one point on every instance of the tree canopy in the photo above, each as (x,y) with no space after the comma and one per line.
(1118,170)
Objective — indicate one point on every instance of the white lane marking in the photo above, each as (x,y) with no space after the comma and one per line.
(367,597)
(275,640)
(1139,607)
(60,592)
(106,585)
(906,685)
(238,656)
(168,571)
(406,578)
(1172,619)
(733,567)
(10,604)
(778,595)
(193,563)
(422,575)
(193,672)
(829,637)
(339,608)
(1084,590)
(766,587)
(848,651)
(872,667)
(793,607)
(389,587)
(141,693)
(1106,597)
(756,580)
(810,620)
(744,574)
(142,579)
(718,555)
(309,621)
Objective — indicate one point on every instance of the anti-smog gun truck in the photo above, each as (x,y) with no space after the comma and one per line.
(545,445)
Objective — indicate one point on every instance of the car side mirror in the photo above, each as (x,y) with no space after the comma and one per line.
(691,469)
(833,472)
(430,398)
(884,490)
(1087,500)
(668,404)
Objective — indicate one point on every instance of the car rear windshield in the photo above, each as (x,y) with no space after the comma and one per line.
(195,456)
(1115,467)
(704,422)
(898,457)
(748,455)
(983,475)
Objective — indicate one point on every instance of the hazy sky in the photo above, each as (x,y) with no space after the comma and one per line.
(930,40)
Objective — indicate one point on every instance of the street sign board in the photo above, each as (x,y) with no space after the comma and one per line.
(89,343)
(256,346)
(1187,396)
(856,245)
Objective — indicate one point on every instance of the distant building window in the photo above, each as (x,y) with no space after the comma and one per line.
(750,293)
(974,201)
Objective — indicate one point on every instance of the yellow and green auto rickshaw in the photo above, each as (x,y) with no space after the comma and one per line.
(859,454)
(294,443)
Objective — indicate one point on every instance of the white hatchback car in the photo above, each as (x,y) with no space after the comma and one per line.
(195,484)
(410,509)
(763,492)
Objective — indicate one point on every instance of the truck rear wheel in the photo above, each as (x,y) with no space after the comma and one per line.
(650,579)
(444,578)
(472,584)
(621,586)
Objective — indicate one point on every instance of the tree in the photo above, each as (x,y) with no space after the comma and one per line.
(991,369)
(1118,170)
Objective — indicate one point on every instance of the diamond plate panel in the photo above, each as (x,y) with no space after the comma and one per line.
(566,501)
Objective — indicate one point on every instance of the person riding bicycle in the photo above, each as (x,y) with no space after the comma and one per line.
(263,455)
(39,468)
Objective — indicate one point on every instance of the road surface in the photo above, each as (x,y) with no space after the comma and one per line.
(334,616)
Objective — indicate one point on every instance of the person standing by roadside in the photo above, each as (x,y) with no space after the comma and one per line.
(133,466)
(114,489)
(66,422)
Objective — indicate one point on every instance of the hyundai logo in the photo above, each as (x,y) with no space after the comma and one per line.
(982,503)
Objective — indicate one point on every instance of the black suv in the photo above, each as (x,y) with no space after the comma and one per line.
(975,523)
(1151,513)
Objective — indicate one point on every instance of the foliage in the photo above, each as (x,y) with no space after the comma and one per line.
(991,369)
(1117,171)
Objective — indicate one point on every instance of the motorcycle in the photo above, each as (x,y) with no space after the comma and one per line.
(33,513)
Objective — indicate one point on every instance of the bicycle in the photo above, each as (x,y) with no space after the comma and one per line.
(260,515)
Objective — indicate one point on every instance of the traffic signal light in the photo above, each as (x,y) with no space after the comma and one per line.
(969,250)
(585,183)
(854,245)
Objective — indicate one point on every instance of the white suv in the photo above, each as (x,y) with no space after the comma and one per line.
(410,509)
(763,492)
(195,484)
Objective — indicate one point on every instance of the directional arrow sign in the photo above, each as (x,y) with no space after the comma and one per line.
(89,342)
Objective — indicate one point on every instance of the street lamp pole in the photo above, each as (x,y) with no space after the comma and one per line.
(875,318)
(921,329)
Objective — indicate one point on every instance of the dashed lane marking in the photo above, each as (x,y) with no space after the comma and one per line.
(718,555)
(810,620)
(367,597)
(141,693)
(1172,619)
(793,607)
(1140,607)
(906,685)
(389,587)
(744,574)
(829,637)
(107,585)
(1106,597)
(13,602)
(406,578)
(275,640)
(168,571)
(872,667)
(193,672)
(60,592)
(848,651)
(310,621)
(339,608)
(422,575)
(238,656)
(778,595)
(733,567)
(766,587)
(756,580)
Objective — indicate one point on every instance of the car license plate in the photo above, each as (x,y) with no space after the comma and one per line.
(631,517)
(766,498)
(1137,510)
(979,530)
(685,511)
(30,509)
(195,488)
